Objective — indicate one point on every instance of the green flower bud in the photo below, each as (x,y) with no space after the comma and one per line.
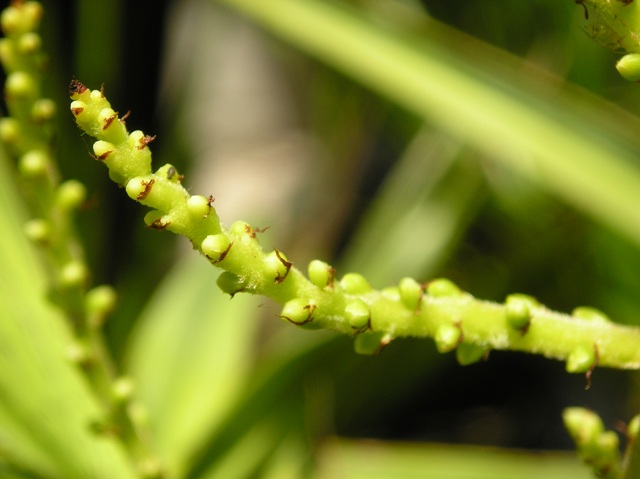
(216,247)
(442,288)
(10,130)
(354,283)
(240,229)
(74,274)
(169,172)
(469,353)
(78,353)
(357,314)
(391,292)
(584,426)
(100,302)
(122,389)
(634,427)
(583,358)
(21,18)
(138,188)
(277,266)
(298,311)
(29,43)
(518,311)
(230,283)
(70,195)
(34,163)
(21,85)
(629,67)
(111,129)
(157,220)
(410,293)
(590,314)
(371,343)
(199,206)
(43,110)
(103,149)
(608,442)
(447,337)
(38,230)
(321,274)
(79,110)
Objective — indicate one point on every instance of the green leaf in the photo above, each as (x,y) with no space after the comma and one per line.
(574,145)
(190,355)
(46,409)
(382,460)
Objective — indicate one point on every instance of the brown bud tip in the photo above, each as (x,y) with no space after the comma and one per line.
(76,87)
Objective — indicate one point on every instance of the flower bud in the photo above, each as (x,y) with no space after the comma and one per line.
(298,311)
(122,389)
(371,343)
(29,43)
(441,288)
(100,302)
(74,274)
(410,293)
(103,149)
(43,110)
(34,163)
(198,206)
(21,85)
(518,310)
(277,266)
(584,426)
(629,67)
(216,247)
(70,195)
(447,337)
(469,353)
(582,359)
(590,314)
(9,130)
(38,230)
(230,283)
(320,273)
(354,283)
(357,314)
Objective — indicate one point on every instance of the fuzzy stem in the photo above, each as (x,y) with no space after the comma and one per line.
(455,320)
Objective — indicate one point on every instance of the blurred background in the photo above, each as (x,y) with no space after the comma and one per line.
(489,142)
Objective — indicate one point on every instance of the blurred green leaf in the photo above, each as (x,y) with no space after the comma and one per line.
(424,204)
(569,142)
(190,354)
(46,411)
(381,460)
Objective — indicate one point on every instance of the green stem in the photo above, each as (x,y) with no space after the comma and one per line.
(439,310)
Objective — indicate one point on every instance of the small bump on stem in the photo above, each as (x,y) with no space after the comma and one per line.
(447,337)
(321,274)
(518,311)
(298,311)
(216,247)
(354,283)
(469,353)
(440,288)
(38,230)
(230,283)
(74,274)
(70,195)
(358,315)
(410,293)
(371,343)
(103,149)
